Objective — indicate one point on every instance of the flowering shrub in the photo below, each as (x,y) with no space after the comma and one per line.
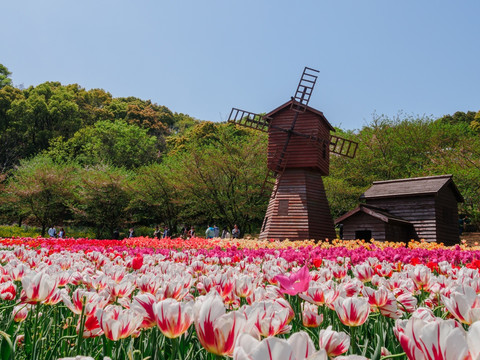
(246,299)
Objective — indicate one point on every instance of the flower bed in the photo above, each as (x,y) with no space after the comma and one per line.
(246,299)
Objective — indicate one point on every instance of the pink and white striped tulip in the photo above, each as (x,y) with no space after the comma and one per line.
(173,318)
(8,290)
(299,346)
(118,323)
(217,331)
(310,317)
(335,343)
(432,340)
(37,287)
(472,340)
(352,311)
(464,304)
(144,305)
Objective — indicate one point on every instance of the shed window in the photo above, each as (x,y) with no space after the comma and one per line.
(282,207)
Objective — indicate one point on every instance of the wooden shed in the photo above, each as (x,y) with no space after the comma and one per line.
(367,222)
(429,204)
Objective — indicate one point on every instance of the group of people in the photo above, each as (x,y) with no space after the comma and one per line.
(185,232)
(52,232)
(214,232)
(188,233)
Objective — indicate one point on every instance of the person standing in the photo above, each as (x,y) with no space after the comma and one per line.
(216,231)
(225,233)
(52,232)
(130,233)
(166,232)
(191,232)
(236,232)
(184,232)
(156,232)
(61,234)
(210,232)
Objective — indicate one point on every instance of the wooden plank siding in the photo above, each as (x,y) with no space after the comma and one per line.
(301,152)
(362,221)
(446,209)
(418,210)
(307,214)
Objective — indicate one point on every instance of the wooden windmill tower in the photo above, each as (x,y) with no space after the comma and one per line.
(299,146)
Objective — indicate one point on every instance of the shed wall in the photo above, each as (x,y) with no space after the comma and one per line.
(419,210)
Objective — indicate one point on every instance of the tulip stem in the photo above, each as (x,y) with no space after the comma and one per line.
(392,356)
(34,338)
(353,341)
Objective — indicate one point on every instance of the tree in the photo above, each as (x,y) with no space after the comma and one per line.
(10,140)
(4,76)
(102,197)
(116,143)
(41,191)
(156,196)
(219,171)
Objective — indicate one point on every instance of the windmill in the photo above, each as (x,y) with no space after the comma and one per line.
(299,146)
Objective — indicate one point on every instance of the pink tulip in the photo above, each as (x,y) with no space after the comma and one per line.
(37,287)
(335,343)
(173,318)
(216,330)
(352,311)
(296,282)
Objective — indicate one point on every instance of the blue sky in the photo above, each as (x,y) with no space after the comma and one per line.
(204,57)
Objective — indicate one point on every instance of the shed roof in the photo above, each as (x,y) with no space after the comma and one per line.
(428,185)
(376,212)
(315,111)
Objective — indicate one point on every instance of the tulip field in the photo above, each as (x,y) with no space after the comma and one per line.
(145,298)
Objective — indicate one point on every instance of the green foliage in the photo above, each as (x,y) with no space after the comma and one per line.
(32,231)
(40,190)
(155,196)
(218,171)
(102,199)
(4,76)
(31,118)
(117,143)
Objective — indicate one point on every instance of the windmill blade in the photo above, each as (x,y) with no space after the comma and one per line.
(342,146)
(249,119)
(304,89)
(269,183)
